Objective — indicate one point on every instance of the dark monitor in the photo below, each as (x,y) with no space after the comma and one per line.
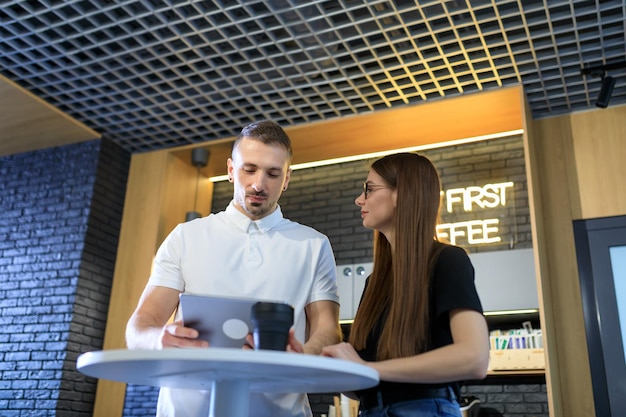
(601,256)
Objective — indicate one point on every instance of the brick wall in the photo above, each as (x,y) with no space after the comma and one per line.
(520,396)
(323,197)
(60,214)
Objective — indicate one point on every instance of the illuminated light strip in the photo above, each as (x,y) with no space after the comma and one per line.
(511,312)
(383,153)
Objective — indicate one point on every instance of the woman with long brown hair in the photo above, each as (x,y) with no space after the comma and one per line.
(420,321)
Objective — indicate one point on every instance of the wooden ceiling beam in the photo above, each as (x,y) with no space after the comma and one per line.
(28,123)
(436,122)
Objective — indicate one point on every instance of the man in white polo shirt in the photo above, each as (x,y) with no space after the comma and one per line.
(247,250)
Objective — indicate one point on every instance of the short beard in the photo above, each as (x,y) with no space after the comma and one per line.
(260,210)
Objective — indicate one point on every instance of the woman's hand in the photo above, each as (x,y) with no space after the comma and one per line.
(343,351)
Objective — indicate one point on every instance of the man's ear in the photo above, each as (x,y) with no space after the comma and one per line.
(287,178)
(230,169)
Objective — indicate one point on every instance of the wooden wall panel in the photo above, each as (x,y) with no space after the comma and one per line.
(600,146)
(553,179)
(180,192)
(160,190)
(177,195)
(535,202)
(577,172)
(136,247)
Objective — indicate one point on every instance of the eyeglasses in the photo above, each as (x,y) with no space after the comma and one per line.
(369,188)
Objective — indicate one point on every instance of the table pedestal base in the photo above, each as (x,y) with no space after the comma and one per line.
(230,398)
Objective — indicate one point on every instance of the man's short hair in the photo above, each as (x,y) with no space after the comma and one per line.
(267,132)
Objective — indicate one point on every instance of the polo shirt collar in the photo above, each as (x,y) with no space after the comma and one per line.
(243,222)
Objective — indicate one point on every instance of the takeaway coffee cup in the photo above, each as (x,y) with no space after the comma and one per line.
(270,325)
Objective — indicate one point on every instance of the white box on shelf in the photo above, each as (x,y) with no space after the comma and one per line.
(513,359)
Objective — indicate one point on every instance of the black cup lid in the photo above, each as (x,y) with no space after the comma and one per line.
(271,307)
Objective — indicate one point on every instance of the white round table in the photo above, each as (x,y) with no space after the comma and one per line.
(231,373)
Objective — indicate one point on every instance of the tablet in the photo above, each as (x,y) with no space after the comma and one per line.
(222,321)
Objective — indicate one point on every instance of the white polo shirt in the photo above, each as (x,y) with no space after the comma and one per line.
(227,254)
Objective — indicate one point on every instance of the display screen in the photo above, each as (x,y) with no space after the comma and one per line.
(618,265)
(601,255)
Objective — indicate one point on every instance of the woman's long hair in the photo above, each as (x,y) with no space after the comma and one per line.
(400,281)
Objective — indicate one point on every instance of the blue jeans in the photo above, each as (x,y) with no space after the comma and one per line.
(428,407)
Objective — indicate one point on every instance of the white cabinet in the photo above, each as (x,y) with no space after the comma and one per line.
(506,280)
(350,284)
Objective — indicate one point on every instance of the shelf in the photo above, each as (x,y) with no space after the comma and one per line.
(511,318)
(517,372)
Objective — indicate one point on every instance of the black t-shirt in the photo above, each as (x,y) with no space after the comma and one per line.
(452,287)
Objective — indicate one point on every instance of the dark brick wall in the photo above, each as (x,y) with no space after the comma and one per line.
(489,162)
(323,197)
(524,396)
(140,401)
(60,213)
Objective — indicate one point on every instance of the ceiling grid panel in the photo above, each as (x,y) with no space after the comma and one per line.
(153,74)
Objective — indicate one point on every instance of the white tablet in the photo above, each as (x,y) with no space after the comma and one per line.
(222,321)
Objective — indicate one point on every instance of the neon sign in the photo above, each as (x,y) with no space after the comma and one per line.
(472,199)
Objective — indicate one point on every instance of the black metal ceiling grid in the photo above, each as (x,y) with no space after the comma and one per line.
(151,74)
